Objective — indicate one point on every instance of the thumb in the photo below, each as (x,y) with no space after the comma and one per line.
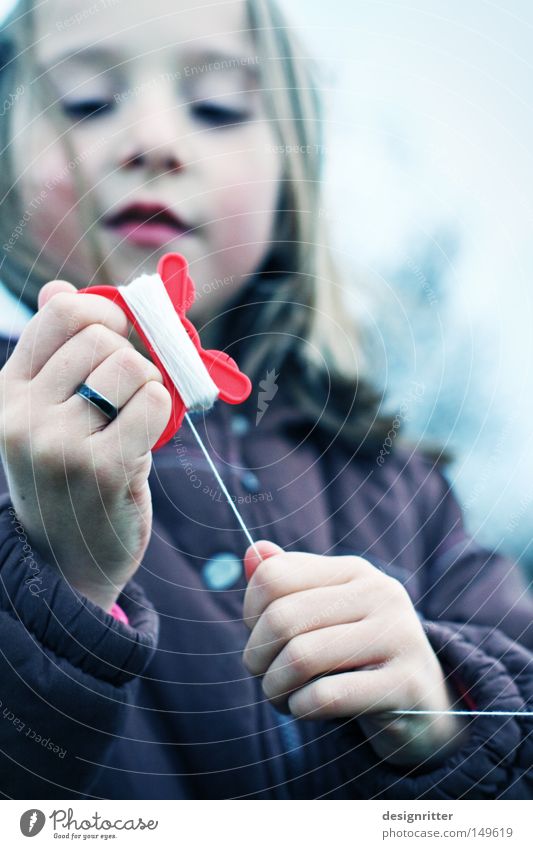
(53,288)
(265,548)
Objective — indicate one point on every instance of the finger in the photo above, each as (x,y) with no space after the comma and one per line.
(61,318)
(265,548)
(299,613)
(139,424)
(292,572)
(329,650)
(54,287)
(117,378)
(350,694)
(75,361)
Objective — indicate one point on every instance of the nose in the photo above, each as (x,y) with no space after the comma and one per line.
(153,160)
(155,137)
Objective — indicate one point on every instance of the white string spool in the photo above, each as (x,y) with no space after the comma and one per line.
(150,303)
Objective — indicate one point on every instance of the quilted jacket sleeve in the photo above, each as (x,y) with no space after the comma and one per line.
(478,615)
(68,672)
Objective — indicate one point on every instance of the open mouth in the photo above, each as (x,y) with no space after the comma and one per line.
(150,224)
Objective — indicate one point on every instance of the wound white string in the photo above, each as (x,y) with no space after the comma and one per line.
(150,303)
(462,712)
(222,485)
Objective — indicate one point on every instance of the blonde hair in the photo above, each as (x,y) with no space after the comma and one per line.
(291,317)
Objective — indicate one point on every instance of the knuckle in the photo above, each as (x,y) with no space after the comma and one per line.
(264,596)
(362,587)
(270,688)
(269,576)
(254,605)
(402,685)
(277,619)
(96,337)
(62,307)
(263,589)
(359,566)
(158,395)
(406,648)
(132,363)
(249,660)
(297,657)
(322,695)
(395,589)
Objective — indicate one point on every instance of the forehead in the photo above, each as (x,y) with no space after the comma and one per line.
(127,29)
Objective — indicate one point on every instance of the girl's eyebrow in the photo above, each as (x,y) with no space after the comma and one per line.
(197,63)
(88,52)
(91,52)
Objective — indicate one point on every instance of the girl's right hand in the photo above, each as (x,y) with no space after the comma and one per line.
(79,483)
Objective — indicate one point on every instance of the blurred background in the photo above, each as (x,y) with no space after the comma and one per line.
(430,196)
(429,202)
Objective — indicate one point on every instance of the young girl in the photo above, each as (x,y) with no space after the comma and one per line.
(141,655)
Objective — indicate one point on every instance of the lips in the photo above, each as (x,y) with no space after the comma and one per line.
(147,224)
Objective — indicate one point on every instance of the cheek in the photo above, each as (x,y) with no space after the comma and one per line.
(246,214)
(47,185)
(56,224)
(49,168)
(245,194)
(41,162)
(50,197)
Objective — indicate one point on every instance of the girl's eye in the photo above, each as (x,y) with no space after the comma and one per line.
(87,108)
(216,115)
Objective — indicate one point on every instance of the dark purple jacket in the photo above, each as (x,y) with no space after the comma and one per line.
(164,709)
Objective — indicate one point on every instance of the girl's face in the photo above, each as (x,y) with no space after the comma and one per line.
(166,123)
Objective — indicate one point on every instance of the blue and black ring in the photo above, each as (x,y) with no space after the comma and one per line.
(97,400)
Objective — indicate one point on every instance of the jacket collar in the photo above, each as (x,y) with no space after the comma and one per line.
(14,314)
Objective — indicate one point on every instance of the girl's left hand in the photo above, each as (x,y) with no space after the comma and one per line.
(336,637)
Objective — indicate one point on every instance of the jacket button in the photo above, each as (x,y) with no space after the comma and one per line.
(250,482)
(239,425)
(222,571)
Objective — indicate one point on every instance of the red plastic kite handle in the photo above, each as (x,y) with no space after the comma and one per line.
(234,386)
